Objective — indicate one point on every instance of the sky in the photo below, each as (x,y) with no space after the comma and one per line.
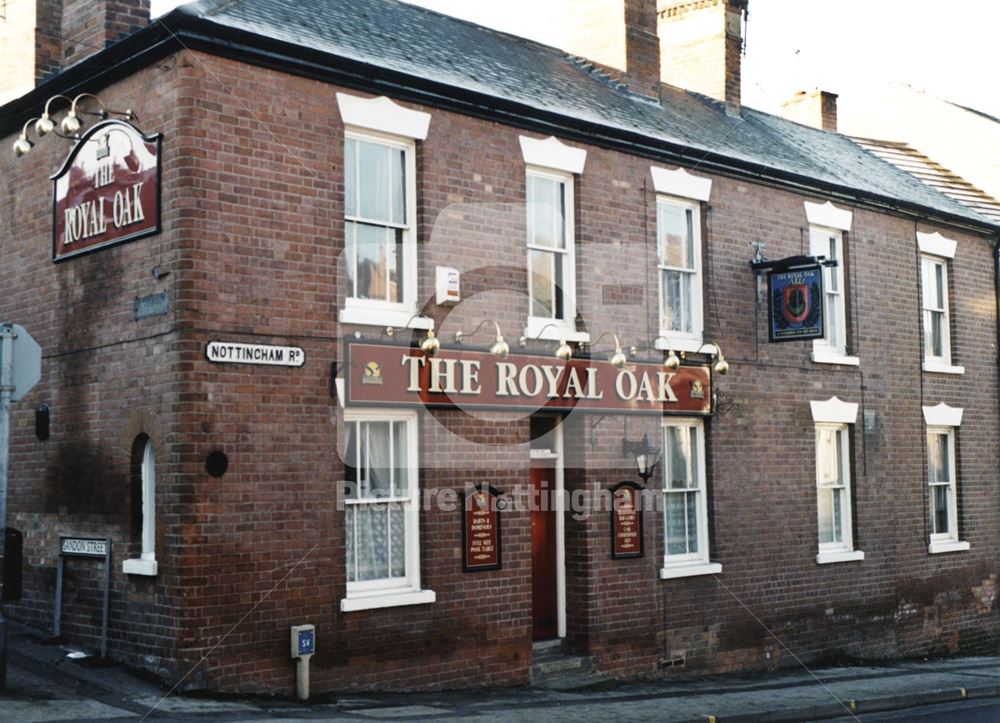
(843,46)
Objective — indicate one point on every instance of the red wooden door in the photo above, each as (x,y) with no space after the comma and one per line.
(543,553)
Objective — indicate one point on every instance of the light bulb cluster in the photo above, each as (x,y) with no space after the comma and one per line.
(71,123)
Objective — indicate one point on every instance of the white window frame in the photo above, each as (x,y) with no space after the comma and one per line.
(381,120)
(375,311)
(145,564)
(552,158)
(692,563)
(944,420)
(836,415)
(564,327)
(835,293)
(936,251)
(668,338)
(391,592)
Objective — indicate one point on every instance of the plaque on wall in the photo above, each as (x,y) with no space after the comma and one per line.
(481,528)
(626,521)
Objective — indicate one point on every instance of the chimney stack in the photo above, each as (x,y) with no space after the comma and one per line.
(89,26)
(817,108)
(38,38)
(621,35)
(701,43)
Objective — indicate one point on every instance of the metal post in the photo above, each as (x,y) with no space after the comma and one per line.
(104,608)
(6,387)
(57,623)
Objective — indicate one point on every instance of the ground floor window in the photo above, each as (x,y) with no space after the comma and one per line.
(381,514)
(685,508)
(942,478)
(835,528)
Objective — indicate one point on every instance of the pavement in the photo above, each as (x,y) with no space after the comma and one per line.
(43,684)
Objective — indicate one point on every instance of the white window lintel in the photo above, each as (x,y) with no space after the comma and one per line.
(384,115)
(552,153)
(679,182)
(834,411)
(943,416)
(826,214)
(936,245)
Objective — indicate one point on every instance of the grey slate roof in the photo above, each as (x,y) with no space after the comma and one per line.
(933,174)
(425,44)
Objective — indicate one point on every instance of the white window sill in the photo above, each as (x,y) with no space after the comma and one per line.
(665,342)
(825,558)
(935,365)
(386,600)
(936,548)
(829,356)
(139,567)
(556,330)
(671,571)
(403,318)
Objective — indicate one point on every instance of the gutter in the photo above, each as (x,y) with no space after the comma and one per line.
(180,29)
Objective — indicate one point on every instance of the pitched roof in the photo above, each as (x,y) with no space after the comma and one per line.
(934,175)
(449,60)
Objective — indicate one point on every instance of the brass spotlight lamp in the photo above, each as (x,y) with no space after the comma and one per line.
(618,359)
(499,348)
(721,366)
(72,122)
(22,145)
(563,351)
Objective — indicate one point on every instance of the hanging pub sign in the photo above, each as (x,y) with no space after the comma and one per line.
(796,304)
(107,191)
(481,529)
(626,521)
(394,375)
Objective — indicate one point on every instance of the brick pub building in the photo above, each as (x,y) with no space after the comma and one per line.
(321,164)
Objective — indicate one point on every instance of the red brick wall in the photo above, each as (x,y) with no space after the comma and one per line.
(253,226)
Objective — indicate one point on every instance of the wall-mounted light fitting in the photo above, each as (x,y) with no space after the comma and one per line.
(563,351)
(618,359)
(71,123)
(499,348)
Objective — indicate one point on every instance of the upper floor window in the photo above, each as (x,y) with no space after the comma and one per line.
(827,225)
(378,231)
(833,419)
(678,231)
(380,245)
(942,478)
(679,259)
(935,253)
(550,180)
(551,246)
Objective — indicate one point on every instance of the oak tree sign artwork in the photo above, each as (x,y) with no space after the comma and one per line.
(796,304)
(107,191)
